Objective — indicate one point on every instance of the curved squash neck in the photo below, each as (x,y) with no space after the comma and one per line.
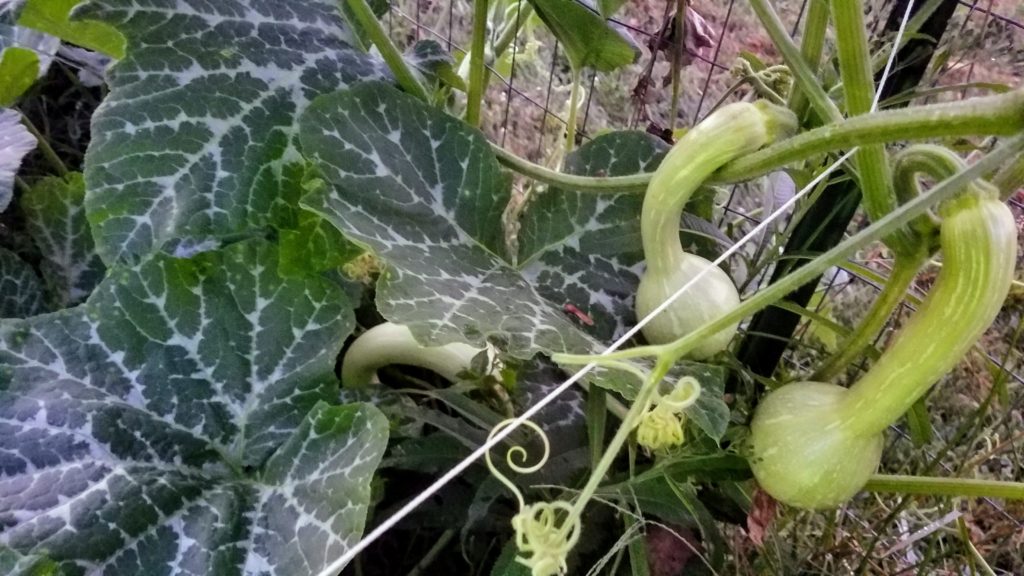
(979,246)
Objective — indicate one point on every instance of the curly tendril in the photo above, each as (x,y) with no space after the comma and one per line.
(520,453)
(545,531)
(661,427)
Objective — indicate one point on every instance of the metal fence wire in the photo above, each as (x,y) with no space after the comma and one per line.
(977,413)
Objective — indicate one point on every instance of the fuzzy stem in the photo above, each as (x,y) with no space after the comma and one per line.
(51,156)
(999,115)
(811,47)
(574,104)
(903,273)
(1010,178)
(802,72)
(640,405)
(406,78)
(967,487)
(873,173)
(477,76)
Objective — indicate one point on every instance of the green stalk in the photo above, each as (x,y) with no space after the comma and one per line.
(956,487)
(1010,178)
(903,273)
(836,256)
(811,46)
(574,104)
(805,77)
(44,146)
(477,85)
(640,405)
(677,62)
(855,67)
(404,75)
(999,115)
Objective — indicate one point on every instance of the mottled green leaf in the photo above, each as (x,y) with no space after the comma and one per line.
(15,143)
(21,292)
(197,139)
(175,423)
(51,17)
(314,246)
(584,249)
(588,39)
(55,217)
(425,193)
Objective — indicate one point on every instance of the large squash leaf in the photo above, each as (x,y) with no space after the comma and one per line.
(585,249)
(197,138)
(175,423)
(21,292)
(55,217)
(425,193)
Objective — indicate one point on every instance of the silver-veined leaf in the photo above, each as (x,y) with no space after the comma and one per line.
(196,141)
(21,292)
(176,423)
(55,218)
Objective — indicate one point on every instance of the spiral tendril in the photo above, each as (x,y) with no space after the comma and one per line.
(685,393)
(520,453)
(546,538)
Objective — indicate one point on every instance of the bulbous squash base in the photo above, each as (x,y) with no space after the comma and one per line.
(708,299)
(801,453)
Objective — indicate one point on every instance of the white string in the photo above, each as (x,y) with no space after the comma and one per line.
(497,438)
(892,54)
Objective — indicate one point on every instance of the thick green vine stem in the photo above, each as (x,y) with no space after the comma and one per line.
(814,445)
(730,132)
(999,115)
(545,531)
(389,343)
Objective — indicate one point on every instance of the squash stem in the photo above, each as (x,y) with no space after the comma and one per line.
(903,273)
(999,115)
(929,486)
(636,411)
(477,72)
(404,75)
(873,171)
(806,80)
(574,105)
(811,47)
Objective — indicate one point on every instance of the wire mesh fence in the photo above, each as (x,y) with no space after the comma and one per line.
(976,414)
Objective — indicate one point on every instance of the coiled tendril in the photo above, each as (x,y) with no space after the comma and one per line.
(661,427)
(545,531)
